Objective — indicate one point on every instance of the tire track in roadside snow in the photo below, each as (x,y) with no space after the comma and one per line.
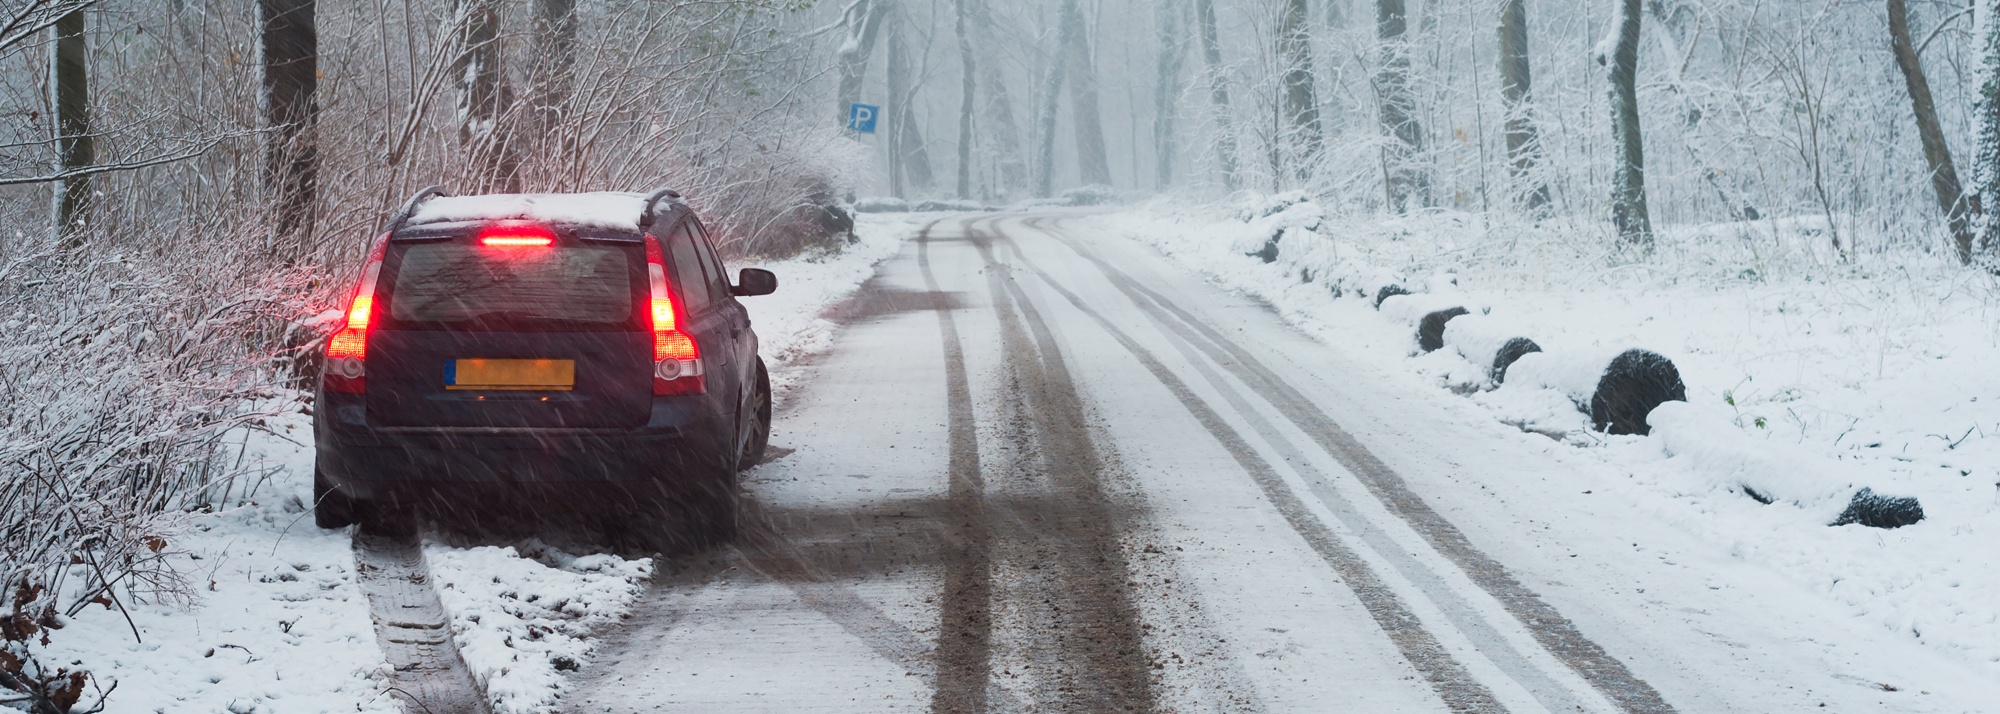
(1549,627)
(411,626)
(1448,677)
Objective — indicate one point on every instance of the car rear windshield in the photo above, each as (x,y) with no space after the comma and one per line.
(461,285)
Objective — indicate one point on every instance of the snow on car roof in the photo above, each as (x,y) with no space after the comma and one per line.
(615,210)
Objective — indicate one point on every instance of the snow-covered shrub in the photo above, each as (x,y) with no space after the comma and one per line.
(131,368)
(778,195)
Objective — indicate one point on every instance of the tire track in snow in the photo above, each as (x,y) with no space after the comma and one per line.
(1550,628)
(1448,677)
(1098,651)
(965,633)
(412,627)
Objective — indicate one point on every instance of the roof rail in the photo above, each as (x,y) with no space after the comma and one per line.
(653,202)
(410,209)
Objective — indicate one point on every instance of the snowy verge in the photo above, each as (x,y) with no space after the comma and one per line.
(1804,383)
(259,612)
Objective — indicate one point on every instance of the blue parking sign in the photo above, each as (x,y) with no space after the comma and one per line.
(861,117)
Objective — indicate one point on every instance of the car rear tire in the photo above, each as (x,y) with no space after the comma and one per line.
(758,422)
(709,511)
(331,508)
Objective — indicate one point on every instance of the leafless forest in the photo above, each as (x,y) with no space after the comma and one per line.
(185,184)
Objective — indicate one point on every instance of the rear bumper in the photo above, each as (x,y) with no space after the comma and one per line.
(672,454)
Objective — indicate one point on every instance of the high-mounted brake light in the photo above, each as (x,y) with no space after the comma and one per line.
(516,235)
(515,241)
(676,357)
(347,351)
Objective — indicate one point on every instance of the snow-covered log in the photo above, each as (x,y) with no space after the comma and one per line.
(1410,309)
(1617,388)
(1488,341)
(1878,511)
(1430,330)
(1389,291)
(1510,352)
(1633,384)
(1773,472)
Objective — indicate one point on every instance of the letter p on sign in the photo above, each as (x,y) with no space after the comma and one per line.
(861,117)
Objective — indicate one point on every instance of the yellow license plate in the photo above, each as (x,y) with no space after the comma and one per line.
(547,375)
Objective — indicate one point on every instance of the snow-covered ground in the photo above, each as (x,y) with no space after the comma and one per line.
(1805,383)
(1806,376)
(268,616)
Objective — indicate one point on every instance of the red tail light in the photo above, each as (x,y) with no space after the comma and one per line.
(347,352)
(676,357)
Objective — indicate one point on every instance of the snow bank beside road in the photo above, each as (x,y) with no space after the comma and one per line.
(1813,379)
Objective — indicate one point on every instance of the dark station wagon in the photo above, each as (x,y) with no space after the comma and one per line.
(543,349)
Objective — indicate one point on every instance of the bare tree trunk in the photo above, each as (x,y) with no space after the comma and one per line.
(291,113)
(1957,206)
(1986,174)
(1167,91)
(484,97)
(1301,103)
(1092,162)
(906,138)
(1045,123)
(1005,133)
(1218,93)
(1628,178)
(1405,183)
(863,21)
(74,142)
(1516,92)
(550,85)
(968,87)
(898,170)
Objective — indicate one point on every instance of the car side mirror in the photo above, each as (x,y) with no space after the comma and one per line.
(754,281)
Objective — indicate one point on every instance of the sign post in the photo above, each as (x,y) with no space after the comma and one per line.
(861,117)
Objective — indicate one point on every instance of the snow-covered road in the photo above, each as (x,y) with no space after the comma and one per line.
(1046,470)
